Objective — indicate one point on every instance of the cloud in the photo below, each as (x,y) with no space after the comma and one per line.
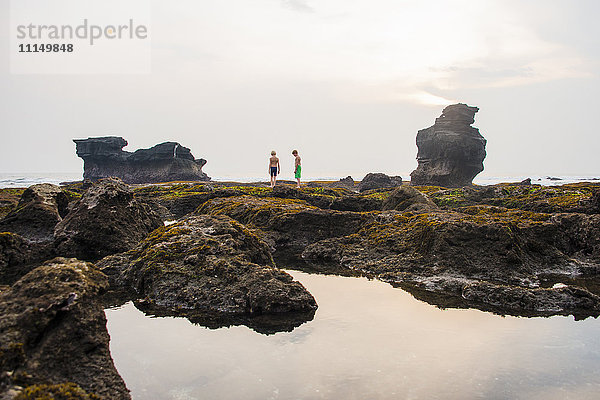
(298,5)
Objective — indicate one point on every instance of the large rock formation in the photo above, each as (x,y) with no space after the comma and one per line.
(451,152)
(103,157)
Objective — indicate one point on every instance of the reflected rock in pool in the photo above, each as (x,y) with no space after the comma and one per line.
(267,324)
(214,271)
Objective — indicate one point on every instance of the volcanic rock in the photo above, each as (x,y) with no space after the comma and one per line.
(53,334)
(169,161)
(378,181)
(406,198)
(289,225)
(18,256)
(451,152)
(40,208)
(106,220)
(209,265)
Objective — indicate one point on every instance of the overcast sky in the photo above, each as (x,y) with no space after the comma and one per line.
(346,82)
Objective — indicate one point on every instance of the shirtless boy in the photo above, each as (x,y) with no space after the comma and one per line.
(274,168)
(297,167)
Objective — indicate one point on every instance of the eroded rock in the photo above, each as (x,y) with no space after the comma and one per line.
(40,208)
(53,334)
(103,157)
(451,152)
(209,268)
(107,220)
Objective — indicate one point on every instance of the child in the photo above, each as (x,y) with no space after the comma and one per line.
(297,167)
(274,168)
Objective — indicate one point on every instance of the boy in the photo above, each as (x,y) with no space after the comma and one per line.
(297,167)
(274,168)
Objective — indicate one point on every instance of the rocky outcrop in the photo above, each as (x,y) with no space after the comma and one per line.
(53,336)
(210,268)
(103,157)
(40,208)
(106,220)
(451,152)
(289,225)
(443,252)
(406,198)
(378,181)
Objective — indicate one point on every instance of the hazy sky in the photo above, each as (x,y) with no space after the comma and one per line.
(346,82)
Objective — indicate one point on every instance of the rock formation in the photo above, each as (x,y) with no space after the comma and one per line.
(54,337)
(210,268)
(451,152)
(378,181)
(103,157)
(107,220)
(40,208)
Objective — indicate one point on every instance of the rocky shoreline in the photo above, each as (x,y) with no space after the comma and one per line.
(512,249)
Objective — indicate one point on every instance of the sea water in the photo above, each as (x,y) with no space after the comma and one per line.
(367,340)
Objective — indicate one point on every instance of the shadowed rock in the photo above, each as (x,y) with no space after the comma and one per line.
(40,208)
(451,152)
(208,268)
(53,335)
(378,181)
(103,157)
(107,220)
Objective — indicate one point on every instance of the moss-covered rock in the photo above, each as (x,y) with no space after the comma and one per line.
(477,243)
(9,198)
(573,198)
(53,331)
(209,268)
(289,224)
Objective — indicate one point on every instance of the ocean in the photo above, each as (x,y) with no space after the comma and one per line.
(22,180)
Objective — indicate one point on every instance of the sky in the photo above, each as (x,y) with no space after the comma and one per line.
(346,82)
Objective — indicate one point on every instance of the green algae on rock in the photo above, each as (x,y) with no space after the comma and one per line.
(209,268)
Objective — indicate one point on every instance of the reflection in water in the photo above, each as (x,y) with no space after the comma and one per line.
(367,340)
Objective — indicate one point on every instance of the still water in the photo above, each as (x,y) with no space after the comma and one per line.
(367,341)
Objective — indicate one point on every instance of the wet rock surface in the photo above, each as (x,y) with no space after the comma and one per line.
(213,270)
(107,220)
(18,256)
(103,157)
(53,337)
(451,152)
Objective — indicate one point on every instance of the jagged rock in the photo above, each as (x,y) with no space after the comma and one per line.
(347,183)
(103,157)
(525,182)
(40,208)
(406,198)
(451,152)
(18,256)
(209,265)
(107,220)
(53,334)
(378,181)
